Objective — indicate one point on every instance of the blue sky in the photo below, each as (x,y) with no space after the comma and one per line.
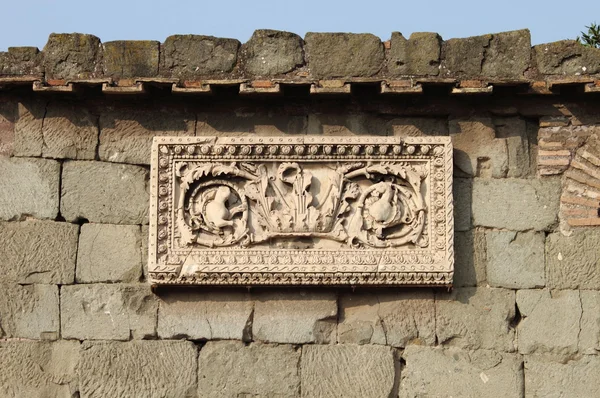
(29,22)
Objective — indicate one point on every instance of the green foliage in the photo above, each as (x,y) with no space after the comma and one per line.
(591,38)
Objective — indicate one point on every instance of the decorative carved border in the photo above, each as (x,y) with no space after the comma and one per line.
(169,263)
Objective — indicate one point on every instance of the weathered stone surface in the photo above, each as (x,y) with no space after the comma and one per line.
(19,61)
(452,372)
(340,124)
(109,253)
(126,134)
(108,312)
(29,311)
(189,56)
(104,192)
(394,319)
(470,258)
(272,52)
(39,369)
(589,335)
(513,130)
(515,260)
(249,123)
(133,58)
(347,371)
(462,192)
(567,57)
(573,262)
(145,236)
(72,56)
(343,54)
(152,369)
(28,137)
(200,315)
(417,56)
(232,369)
(28,187)
(304,317)
(576,378)
(476,318)
(541,330)
(516,204)
(508,55)
(416,126)
(463,57)
(38,252)
(477,151)
(8,113)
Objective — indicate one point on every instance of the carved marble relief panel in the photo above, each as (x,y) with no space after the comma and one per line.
(301,211)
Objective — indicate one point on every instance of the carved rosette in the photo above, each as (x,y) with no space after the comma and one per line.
(301,211)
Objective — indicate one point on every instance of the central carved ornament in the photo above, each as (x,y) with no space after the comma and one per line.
(281,210)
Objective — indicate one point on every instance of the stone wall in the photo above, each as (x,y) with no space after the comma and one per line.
(77,317)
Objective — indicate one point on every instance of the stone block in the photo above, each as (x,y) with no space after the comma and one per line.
(417,56)
(589,335)
(201,315)
(513,130)
(417,126)
(152,369)
(550,321)
(108,312)
(516,204)
(453,372)
(104,192)
(576,378)
(347,371)
(515,260)
(336,124)
(272,52)
(28,137)
(249,123)
(232,369)
(332,55)
(131,58)
(126,134)
(573,262)
(470,258)
(72,56)
(8,113)
(394,319)
(191,56)
(28,187)
(20,61)
(38,252)
(464,57)
(39,369)
(297,318)
(29,311)
(508,55)
(109,253)
(462,193)
(567,57)
(476,318)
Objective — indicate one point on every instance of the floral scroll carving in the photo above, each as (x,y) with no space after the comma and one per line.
(283,210)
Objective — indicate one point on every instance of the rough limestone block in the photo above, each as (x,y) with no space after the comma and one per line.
(417,56)
(249,123)
(576,378)
(550,321)
(72,56)
(108,312)
(338,124)
(508,55)
(476,318)
(38,252)
(28,137)
(19,61)
(153,369)
(417,126)
(513,130)
(469,258)
(200,315)
(191,56)
(462,192)
(109,253)
(126,134)
(567,57)
(232,369)
(477,151)
(516,204)
(453,372)
(104,192)
(296,318)
(347,371)
(394,319)
(573,262)
(8,113)
(39,369)
(28,187)
(589,336)
(333,55)
(29,311)
(272,52)
(131,58)
(515,260)
(463,57)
